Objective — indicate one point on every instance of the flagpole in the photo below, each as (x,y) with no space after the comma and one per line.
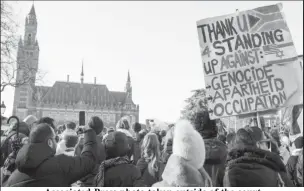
(258,120)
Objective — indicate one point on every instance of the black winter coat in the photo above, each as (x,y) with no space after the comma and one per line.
(253,167)
(87,181)
(123,175)
(38,166)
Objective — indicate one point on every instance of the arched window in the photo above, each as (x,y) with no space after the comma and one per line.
(29,39)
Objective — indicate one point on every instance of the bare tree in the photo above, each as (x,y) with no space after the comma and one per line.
(9,42)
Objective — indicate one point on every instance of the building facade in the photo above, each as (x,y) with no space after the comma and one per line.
(64,100)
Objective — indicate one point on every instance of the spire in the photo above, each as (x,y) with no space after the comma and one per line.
(20,41)
(32,12)
(128,87)
(129,79)
(82,73)
(82,69)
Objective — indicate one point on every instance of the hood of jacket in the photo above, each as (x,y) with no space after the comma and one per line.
(30,156)
(179,173)
(216,151)
(252,156)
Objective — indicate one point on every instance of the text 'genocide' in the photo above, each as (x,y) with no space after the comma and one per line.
(243,91)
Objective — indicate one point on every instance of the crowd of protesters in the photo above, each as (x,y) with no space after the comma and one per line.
(185,154)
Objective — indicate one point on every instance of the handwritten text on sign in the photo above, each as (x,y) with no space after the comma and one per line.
(245,59)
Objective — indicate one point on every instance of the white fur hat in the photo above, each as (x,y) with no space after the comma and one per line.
(189,144)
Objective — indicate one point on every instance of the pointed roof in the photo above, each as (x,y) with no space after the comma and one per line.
(70,93)
(129,78)
(82,69)
(32,12)
(20,41)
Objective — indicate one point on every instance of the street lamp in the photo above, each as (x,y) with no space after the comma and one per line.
(3,108)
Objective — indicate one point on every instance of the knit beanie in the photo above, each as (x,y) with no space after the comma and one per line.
(189,144)
(248,136)
(116,145)
(136,127)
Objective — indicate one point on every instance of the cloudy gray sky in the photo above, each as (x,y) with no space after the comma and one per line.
(157,41)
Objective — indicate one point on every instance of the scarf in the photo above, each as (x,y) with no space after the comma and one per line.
(99,179)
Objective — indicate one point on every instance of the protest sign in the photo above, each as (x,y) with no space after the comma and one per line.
(249,61)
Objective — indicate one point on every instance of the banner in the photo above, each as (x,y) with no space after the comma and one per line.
(250,63)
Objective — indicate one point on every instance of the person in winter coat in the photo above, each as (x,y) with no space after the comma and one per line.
(9,165)
(123,126)
(6,144)
(38,166)
(292,162)
(117,170)
(96,124)
(185,166)
(251,164)
(69,131)
(216,151)
(70,140)
(150,164)
(137,142)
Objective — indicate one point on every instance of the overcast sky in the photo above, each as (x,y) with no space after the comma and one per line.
(157,41)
